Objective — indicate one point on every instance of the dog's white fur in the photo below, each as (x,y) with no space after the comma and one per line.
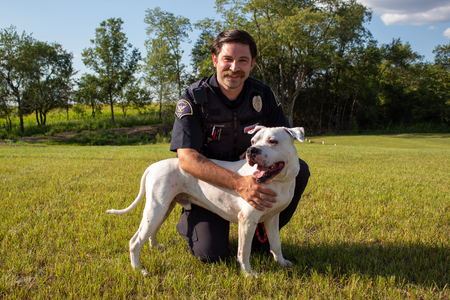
(168,184)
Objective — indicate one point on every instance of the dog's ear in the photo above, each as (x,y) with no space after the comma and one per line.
(297,133)
(256,129)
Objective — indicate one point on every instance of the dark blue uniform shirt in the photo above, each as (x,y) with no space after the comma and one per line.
(188,129)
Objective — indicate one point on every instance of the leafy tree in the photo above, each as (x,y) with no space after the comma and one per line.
(112,59)
(90,93)
(170,31)
(134,96)
(6,110)
(354,87)
(399,81)
(442,56)
(159,71)
(295,36)
(137,96)
(433,104)
(15,64)
(49,84)
(363,84)
(201,59)
(437,83)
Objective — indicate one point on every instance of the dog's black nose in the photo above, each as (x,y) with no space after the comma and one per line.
(252,151)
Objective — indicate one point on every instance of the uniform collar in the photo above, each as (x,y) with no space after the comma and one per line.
(212,81)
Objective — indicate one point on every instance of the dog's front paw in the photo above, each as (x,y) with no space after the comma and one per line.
(285,263)
(251,273)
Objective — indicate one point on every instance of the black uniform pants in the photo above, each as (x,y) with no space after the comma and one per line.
(207,234)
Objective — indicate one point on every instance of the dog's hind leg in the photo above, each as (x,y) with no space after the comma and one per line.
(152,239)
(273,234)
(136,245)
(154,216)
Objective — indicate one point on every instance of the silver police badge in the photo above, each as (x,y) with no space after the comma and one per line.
(257,103)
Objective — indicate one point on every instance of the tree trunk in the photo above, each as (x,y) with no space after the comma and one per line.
(351,111)
(10,124)
(37,117)
(93,109)
(160,108)
(112,107)
(160,100)
(290,107)
(321,113)
(22,127)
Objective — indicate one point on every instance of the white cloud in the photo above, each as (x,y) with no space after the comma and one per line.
(410,12)
(447,33)
(436,15)
(403,6)
(433,28)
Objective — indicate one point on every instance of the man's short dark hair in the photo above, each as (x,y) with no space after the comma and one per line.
(233,36)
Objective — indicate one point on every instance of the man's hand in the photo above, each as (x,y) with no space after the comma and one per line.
(256,195)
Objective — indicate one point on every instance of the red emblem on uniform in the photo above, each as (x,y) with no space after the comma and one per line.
(251,127)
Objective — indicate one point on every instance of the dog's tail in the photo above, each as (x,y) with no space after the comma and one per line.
(136,201)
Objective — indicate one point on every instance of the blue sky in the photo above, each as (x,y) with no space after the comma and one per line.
(423,23)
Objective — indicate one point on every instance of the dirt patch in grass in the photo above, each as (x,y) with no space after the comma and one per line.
(106,136)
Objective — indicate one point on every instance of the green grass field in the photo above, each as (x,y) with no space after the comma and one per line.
(374,223)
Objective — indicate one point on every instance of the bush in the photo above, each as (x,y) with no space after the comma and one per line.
(4,134)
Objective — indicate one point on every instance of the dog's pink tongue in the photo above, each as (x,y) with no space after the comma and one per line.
(260,172)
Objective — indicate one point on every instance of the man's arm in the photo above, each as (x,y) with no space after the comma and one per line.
(204,169)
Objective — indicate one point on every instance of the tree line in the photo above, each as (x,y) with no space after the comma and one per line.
(324,66)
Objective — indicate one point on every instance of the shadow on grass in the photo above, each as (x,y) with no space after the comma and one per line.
(412,264)
(409,264)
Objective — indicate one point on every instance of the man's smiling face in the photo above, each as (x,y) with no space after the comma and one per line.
(233,66)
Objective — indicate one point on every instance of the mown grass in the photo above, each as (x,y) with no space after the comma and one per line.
(374,223)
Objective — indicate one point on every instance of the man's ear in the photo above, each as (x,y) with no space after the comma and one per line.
(253,63)
(214,59)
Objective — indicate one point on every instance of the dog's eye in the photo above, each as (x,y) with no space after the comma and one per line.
(253,142)
(273,142)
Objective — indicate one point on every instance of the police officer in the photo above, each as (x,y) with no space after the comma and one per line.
(213,117)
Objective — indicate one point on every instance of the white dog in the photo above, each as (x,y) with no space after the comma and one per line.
(272,159)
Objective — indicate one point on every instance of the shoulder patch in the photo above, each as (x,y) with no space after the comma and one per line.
(183,108)
(276,99)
